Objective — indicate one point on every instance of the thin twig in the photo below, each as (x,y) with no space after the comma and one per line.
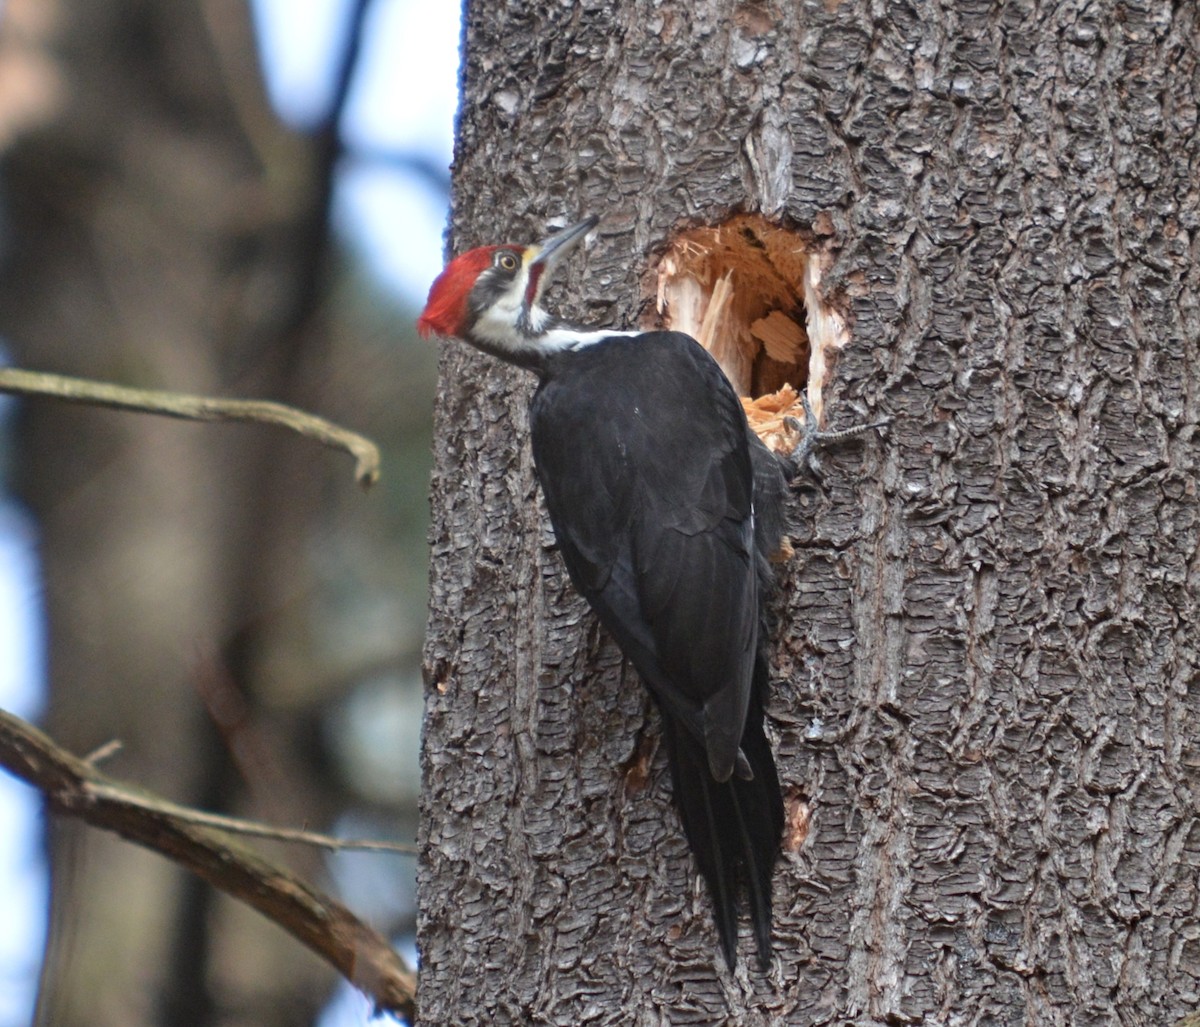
(197,408)
(100,754)
(74,788)
(235,825)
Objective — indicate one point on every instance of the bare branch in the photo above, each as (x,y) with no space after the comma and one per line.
(235,825)
(73,787)
(99,755)
(197,408)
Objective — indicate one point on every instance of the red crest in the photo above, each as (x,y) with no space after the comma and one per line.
(446,308)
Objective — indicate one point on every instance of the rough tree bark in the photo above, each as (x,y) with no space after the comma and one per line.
(986,701)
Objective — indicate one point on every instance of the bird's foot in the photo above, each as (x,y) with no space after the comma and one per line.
(803,457)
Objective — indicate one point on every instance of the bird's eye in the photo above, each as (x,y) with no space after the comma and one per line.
(506,261)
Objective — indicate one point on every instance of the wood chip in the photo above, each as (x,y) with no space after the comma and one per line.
(783,338)
(766,416)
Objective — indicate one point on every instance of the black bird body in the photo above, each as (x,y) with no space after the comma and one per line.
(665,507)
(655,518)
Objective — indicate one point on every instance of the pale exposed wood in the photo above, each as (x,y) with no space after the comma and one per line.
(767,416)
(781,337)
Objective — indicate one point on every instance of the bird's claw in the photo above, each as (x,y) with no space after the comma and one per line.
(802,457)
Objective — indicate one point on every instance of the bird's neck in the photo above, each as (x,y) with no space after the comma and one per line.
(531,342)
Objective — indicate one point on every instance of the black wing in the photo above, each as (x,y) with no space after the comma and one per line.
(642,452)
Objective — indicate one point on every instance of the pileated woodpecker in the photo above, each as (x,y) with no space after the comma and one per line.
(665,506)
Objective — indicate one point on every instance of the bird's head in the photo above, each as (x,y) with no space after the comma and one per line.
(489,296)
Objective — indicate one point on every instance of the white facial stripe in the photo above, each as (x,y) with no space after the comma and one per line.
(538,318)
(506,326)
(574,338)
(500,319)
(503,334)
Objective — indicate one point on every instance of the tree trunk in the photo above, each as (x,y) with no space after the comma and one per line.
(986,703)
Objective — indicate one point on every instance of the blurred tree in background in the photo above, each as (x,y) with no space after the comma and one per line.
(220,599)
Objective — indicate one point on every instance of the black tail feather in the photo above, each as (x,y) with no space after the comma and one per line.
(733,828)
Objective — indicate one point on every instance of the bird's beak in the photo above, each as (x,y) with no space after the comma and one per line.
(549,252)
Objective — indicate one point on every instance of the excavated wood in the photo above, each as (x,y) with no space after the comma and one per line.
(986,699)
(766,415)
(723,334)
(738,287)
(782,338)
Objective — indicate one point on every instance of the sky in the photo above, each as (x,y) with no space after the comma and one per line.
(22,873)
(404,99)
